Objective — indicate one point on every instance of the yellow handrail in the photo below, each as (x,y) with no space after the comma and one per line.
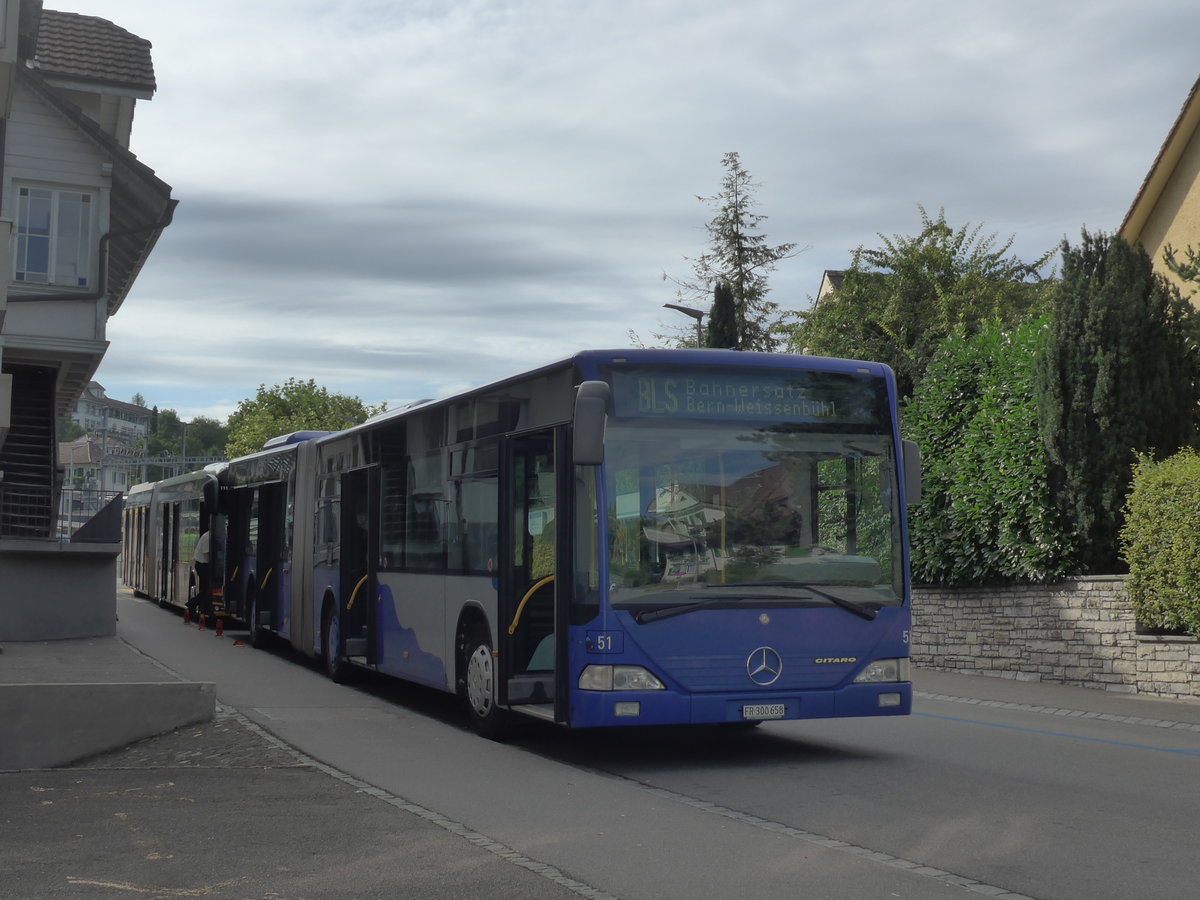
(521,606)
(354,593)
(266,578)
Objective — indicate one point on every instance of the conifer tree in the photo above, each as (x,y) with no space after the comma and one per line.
(722,321)
(739,255)
(1117,376)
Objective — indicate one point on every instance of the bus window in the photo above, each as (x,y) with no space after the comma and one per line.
(723,503)
(327,534)
(477,501)
(535,516)
(252,532)
(423,549)
(585,598)
(391,515)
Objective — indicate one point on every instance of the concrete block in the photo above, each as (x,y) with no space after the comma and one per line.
(47,725)
(53,591)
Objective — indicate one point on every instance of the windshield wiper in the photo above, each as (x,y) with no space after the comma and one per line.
(867,612)
(666,612)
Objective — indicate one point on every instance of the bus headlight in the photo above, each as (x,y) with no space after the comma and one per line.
(884,670)
(618,678)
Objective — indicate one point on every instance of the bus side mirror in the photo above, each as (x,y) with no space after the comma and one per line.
(912,471)
(591,417)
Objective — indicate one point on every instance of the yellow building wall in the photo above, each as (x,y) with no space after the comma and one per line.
(1175,219)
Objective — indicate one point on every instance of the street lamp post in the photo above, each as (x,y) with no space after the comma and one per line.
(692,313)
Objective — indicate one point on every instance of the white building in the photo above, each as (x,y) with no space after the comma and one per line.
(99,414)
(80,215)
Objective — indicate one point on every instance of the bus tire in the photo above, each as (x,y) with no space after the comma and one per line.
(479,683)
(337,667)
(258,637)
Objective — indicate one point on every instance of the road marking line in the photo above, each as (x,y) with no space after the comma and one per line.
(1062,713)
(1059,734)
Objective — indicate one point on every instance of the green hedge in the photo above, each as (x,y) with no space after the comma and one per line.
(987,514)
(1160,542)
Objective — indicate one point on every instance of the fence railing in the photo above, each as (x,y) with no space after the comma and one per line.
(76,506)
(25,511)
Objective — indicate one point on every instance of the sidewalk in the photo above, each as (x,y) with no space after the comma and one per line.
(221,809)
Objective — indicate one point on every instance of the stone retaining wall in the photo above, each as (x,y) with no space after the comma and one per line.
(1080,631)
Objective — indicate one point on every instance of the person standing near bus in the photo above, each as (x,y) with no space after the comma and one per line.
(200,560)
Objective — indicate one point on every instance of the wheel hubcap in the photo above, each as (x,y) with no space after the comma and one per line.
(479,680)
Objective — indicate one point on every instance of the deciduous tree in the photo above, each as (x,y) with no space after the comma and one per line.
(898,301)
(292,406)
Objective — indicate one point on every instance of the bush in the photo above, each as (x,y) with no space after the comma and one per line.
(987,514)
(1159,542)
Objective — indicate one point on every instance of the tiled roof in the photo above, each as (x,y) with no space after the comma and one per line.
(88,48)
(80,452)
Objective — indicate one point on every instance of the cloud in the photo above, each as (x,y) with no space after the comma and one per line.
(397,198)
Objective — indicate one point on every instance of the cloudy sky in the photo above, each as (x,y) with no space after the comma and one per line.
(400,199)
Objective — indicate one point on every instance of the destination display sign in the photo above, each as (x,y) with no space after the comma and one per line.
(749,394)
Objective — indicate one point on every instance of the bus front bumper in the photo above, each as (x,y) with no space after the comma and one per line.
(613,708)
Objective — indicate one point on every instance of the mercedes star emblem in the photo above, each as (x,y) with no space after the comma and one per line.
(764,666)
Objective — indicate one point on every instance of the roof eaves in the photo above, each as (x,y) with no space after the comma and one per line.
(1168,156)
(140,199)
(90,129)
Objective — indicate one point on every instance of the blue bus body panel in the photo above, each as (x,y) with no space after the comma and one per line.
(707,651)
(704,660)
(398,648)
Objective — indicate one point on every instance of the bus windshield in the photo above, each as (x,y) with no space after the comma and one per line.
(722,513)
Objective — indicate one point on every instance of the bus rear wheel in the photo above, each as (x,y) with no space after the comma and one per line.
(258,637)
(336,666)
(478,666)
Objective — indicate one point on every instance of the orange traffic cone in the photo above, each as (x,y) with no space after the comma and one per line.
(201,621)
(220,628)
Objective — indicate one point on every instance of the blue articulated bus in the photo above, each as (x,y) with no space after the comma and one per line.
(629,537)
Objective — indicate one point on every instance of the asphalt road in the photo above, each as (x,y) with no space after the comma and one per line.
(368,790)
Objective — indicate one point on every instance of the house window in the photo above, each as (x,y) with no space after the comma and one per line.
(53,244)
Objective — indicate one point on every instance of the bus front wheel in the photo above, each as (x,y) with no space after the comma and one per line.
(479,684)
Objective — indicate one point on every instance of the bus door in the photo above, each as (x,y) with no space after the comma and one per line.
(269,561)
(533,582)
(237,504)
(359,558)
(143,550)
(166,560)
